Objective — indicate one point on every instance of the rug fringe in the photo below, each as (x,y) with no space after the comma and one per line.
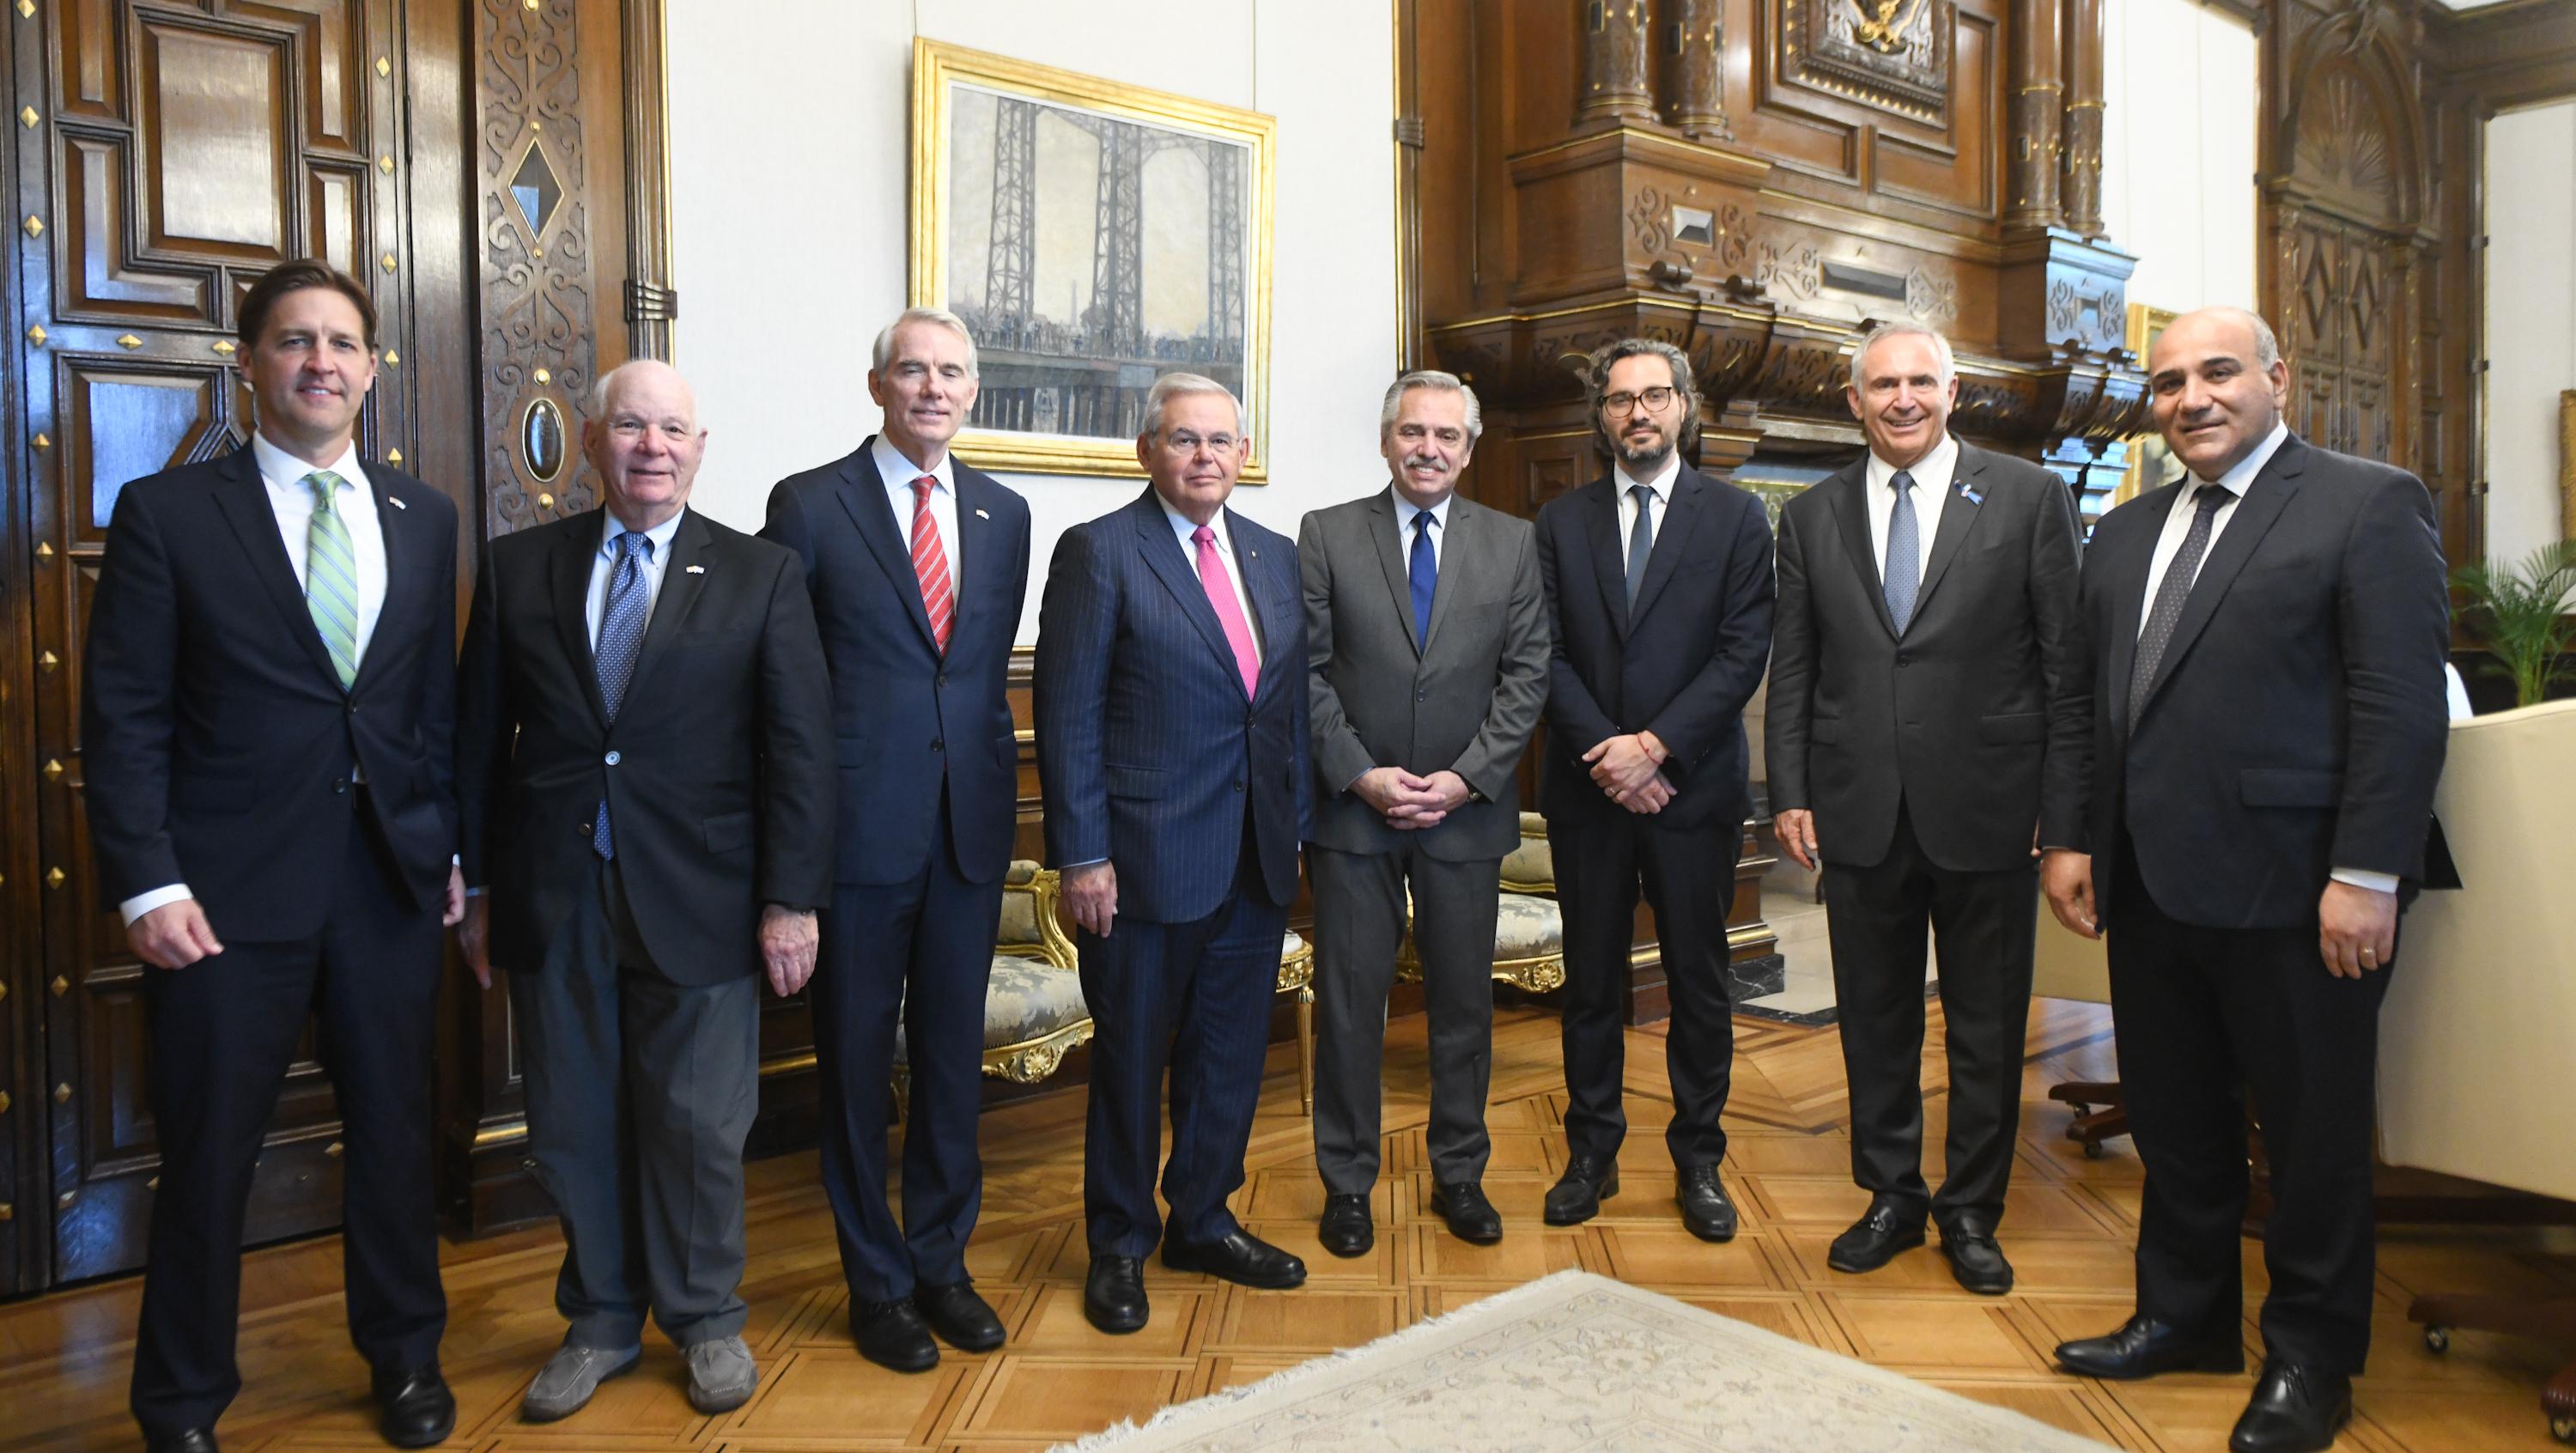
(1124,1429)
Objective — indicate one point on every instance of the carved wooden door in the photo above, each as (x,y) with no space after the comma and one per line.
(164,156)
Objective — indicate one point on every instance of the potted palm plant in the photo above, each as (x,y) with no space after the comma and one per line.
(2519,612)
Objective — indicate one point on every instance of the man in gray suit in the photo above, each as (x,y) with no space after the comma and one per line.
(1922,641)
(1427,629)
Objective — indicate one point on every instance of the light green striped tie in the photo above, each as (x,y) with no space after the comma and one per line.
(331,577)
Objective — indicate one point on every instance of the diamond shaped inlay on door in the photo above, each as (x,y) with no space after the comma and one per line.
(537,192)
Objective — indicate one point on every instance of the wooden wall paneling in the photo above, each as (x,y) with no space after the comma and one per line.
(23,1239)
(164,159)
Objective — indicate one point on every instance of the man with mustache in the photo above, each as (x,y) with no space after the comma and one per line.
(917,564)
(1427,629)
(1659,591)
(2259,662)
(1927,598)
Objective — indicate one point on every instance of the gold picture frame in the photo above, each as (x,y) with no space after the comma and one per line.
(1062,385)
(2151,464)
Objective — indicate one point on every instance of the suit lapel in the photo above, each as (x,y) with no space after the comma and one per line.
(863,494)
(568,585)
(1848,494)
(1456,538)
(1958,516)
(1162,552)
(684,578)
(974,545)
(1277,598)
(2255,515)
(1672,538)
(1609,555)
(244,502)
(2128,588)
(1388,537)
(402,545)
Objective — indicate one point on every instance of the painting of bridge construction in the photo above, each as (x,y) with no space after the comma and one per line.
(1092,244)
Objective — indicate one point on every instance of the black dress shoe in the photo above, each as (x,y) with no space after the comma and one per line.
(186,1440)
(1873,1240)
(1345,1228)
(1471,1217)
(2295,1409)
(1113,1296)
(1241,1258)
(1577,1195)
(1706,1211)
(957,1314)
(891,1334)
(2145,1347)
(414,1406)
(1975,1260)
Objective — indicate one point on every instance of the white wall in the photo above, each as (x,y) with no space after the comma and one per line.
(790,146)
(2178,151)
(2531,320)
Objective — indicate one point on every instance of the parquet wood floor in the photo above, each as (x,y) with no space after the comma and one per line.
(64,1358)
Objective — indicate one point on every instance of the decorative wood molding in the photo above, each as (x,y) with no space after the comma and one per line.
(651,303)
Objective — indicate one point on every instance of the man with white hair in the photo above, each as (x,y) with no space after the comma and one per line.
(917,564)
(1427,628)
(1919,647)
(1171,717)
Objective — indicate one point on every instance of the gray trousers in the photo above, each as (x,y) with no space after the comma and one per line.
(640,1095)
(1359,925)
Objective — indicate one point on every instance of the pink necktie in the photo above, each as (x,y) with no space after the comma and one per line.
(1220,594)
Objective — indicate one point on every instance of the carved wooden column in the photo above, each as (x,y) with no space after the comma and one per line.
(1694,75)
(1614,63)
(2032,120)
(2082,162)
(1409,347)
(651,302)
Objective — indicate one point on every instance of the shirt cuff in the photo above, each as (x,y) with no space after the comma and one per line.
(1085,863)
(2364,878)
(143,903)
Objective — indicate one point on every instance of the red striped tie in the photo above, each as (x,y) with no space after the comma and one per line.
(930,562)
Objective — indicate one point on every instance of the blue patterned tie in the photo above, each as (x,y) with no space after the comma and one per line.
(1423,574)
(1904,570)
(621,635)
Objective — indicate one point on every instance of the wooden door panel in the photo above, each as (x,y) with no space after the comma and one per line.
(217,149)
(98,279)
(334,65)
(122,423)
(92,60)
(336,223)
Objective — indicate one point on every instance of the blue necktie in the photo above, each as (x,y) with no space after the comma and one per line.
(1641,540)
(621,635)
(1423,574)
(1904,570)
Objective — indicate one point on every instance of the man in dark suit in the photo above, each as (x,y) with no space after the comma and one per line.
(1927,597)
(918,565)
(1659,593)
(1427,630)
(266,716)
(1171,719)
(2260,658)
(644,763)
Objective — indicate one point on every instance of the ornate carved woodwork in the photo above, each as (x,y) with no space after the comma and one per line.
(1695,69)
(1889,55)
(2080,153)
(1614,63)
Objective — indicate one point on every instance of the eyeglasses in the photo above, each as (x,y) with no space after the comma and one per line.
(1624,402)
(1184,442)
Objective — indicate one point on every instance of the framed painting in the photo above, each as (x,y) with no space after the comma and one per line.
(1094,236)
(2151,464)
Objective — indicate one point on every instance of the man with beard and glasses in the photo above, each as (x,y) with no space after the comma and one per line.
(1427,630)
(1659,588)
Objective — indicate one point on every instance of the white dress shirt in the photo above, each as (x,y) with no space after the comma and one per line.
(1405,510)
(1932,475)
(1184,527)
(2178,519)
(1661,485)
(898,474)
(654,562)
(292,502)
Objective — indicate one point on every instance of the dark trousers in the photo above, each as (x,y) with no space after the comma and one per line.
(1359,925)
(1875,918)
(2203,1014)
(919,952)
(224,1031)
(1689,879)
(640,1094)
(1194,998)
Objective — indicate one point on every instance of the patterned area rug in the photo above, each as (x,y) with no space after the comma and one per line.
(1577,1361)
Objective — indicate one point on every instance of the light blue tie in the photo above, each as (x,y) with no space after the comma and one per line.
(621,635)
(1904,553)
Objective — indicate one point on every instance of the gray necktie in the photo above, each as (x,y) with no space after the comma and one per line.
(1641,539)
(1904,571)
(621,637)
(2171,592)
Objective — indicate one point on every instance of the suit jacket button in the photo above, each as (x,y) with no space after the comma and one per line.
(939,744)
(1238,784)
(939,680)
(1905,658)
(339,784)
(612,758)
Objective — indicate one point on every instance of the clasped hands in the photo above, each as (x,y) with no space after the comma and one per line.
(2356,926)
(1410,803)
(1629,771)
